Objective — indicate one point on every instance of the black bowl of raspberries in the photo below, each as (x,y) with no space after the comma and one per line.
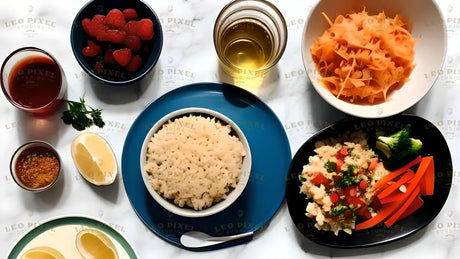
(116,41)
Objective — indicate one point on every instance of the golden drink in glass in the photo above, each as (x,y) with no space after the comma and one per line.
(250,37)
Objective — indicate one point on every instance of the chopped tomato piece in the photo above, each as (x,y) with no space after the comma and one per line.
(339,164)
(334,197)
(355,201)
(364,213)
(351,191)
(320,179)
(363,185)
(373,164)
(343,151)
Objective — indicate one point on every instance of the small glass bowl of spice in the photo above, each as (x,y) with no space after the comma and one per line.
(35,166)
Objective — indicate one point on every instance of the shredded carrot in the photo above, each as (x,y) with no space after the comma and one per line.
(362,57)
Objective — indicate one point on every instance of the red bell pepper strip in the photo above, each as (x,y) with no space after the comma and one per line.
(401,201)
(390,189)
(415,205)
(427,182)
(393,218)
(424,165)
(395,173)
(392,198)
(384,213)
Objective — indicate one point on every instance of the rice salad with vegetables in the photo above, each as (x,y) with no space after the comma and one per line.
(338,180)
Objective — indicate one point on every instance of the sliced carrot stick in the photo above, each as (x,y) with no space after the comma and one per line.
(415,181)
(396,173)
(393,218)
(422,184)
(421,170)
(429,180)
(383,213)
(373,164)
(390,189)
(392,198)
(415,205)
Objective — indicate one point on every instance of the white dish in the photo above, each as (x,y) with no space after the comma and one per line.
(430,50)
(217,207)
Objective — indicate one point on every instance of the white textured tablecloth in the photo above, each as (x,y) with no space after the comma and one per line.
(188,56)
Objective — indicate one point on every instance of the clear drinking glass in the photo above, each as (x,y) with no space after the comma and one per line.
(250,37)
(32,80)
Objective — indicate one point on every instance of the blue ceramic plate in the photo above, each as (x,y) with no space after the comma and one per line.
(433,144)
(270,151)
(49,229)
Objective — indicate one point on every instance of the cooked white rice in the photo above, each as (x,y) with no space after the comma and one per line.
(194,161)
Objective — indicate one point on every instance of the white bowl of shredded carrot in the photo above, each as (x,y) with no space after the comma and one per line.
(374,58)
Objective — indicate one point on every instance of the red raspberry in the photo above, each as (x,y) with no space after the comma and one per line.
(122,56)
(133,42)
(93,26)
(145,29)
(115,36)
(115,19)
(134,64)
(130,14)
(99,67)
(91,50)
(87,26)
(108,56)
(131,27)
(98,20)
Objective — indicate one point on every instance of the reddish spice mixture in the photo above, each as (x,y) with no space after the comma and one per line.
(37,167)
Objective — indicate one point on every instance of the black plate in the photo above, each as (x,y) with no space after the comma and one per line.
(434,144)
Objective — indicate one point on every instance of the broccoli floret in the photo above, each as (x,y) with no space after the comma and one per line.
(397,140)
(399,147)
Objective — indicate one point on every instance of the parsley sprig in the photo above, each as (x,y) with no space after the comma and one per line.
(82,116)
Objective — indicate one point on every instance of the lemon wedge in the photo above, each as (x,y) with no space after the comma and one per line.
(94,158)
(42,252)
(94,244)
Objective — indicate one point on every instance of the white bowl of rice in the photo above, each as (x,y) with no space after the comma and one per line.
(195,162)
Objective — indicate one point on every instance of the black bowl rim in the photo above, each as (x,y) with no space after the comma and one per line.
(91,73)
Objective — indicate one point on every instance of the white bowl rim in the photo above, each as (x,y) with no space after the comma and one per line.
(215,208)
(384,109)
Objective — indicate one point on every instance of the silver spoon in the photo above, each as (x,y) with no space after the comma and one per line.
(197,239)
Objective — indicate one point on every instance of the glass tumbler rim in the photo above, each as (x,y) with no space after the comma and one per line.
(279,23)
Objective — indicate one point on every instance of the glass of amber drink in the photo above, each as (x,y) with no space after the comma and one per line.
(250,37)
(32,80)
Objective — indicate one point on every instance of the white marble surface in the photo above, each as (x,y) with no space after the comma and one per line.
(188,56)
